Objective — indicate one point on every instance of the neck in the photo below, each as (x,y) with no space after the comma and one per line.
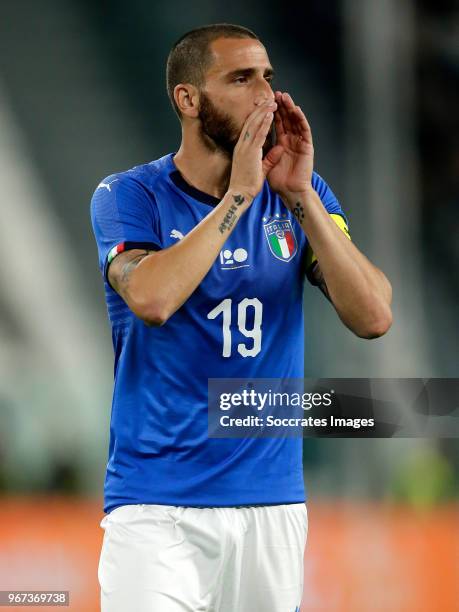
(206,170)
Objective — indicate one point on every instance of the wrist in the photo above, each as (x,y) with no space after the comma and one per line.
(291,198)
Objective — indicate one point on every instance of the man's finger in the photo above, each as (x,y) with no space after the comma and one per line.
(280,131)
(288,100)
(263,130)
(255,119)
(291,113)
(282,110)
(271,158)
(303,125)
(260,125)
(279,124)
(295,118)
(298,123)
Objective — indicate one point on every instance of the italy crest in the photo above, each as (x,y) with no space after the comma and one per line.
(281,239)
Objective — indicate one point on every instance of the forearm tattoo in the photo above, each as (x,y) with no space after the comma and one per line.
(228,220)
(231,217)
(246,135)
(298,211)
(130,265)
(319,280)
(238,199)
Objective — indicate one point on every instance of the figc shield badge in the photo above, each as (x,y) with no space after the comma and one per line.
(281,239)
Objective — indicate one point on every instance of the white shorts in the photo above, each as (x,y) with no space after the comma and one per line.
(175,559)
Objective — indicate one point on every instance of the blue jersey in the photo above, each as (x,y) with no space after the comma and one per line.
(245,320)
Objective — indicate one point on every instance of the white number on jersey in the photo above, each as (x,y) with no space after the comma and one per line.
(255,333)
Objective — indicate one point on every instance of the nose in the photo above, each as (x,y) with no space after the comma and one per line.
(264,93)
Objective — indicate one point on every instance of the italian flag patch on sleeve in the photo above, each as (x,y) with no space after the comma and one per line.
(119,248)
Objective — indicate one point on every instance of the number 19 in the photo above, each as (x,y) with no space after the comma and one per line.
(255,333)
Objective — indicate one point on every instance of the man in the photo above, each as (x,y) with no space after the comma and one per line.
(204,255)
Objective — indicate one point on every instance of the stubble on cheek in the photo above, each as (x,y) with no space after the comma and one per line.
(218,129)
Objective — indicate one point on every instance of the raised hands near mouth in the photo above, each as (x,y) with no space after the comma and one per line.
(289,164)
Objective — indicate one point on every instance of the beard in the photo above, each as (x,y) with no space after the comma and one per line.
(219,131)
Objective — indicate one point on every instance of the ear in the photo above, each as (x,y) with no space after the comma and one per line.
(187,99)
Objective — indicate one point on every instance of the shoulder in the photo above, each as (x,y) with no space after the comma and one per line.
(131,192)
(143,176)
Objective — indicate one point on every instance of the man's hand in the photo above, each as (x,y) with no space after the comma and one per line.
(289,164)
(248,171)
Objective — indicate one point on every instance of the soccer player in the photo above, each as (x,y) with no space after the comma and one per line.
(204,254)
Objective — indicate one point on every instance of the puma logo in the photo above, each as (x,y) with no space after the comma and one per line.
(106,185)
(176,234)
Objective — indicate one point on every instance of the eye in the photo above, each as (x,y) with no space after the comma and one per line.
(240,79)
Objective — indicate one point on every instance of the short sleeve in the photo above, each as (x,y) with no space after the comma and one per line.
(333,207)
(124,216)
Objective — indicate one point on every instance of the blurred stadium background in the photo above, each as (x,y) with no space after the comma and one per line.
(82,94)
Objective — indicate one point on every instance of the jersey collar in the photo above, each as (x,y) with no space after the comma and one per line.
(197,194)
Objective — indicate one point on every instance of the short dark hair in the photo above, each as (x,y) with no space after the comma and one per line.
(190,57)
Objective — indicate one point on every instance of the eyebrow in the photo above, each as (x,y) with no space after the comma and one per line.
(248,72)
